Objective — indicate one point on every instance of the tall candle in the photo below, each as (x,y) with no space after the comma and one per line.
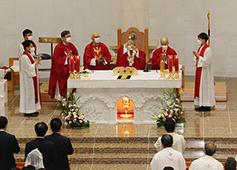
(71,64)
(162,65)
(170,64)
(176,64)
(77,64)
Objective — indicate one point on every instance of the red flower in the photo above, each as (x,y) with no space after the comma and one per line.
(168,111)
(173,113)
(72,118)
(175,118)
(67,111)
(179,116)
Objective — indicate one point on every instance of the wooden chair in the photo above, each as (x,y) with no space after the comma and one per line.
(141,39)
(14,75)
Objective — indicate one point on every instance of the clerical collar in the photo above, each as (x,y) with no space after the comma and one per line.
(2,130)
(65,43)
(40,137)
(95,44)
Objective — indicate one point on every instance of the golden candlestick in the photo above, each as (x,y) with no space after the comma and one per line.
(176,75)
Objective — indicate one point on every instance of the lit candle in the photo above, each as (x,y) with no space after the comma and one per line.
(71,64)
(77,64)
(170,64)
(162,65)
(176,64)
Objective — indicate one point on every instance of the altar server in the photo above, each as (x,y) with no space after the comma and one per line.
(179,142)
(168,156)
(28,35)
(204,95)
(96,54)
(60,66)
(207,162)
(29,82)
(130,55)
(165,50)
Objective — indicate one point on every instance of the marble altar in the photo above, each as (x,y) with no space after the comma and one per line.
(100,92)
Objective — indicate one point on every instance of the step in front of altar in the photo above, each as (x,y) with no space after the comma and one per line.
(134,150)
(220,92)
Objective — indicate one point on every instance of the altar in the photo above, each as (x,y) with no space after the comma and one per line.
(101,92)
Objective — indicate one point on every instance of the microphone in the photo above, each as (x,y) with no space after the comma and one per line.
(146,68)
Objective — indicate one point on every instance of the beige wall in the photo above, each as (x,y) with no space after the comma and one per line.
(179,20)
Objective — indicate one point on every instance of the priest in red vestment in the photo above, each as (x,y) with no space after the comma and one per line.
(60,66)
(129,55)
(96,54)
(28,35)
(204,94)
(164,51)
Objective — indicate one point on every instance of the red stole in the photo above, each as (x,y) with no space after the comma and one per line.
(199,72)
(34,78)
(34,45)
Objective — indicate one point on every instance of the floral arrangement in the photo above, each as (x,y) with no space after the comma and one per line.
(71,112)
(171,108)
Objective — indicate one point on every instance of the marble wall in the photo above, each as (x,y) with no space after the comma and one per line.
(179,20)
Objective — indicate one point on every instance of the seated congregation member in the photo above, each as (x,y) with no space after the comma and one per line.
(207,162)
(168,156)
(168,168)
(59,72)
(63,145)
(46,148)
(28,35)
(164,51)
(130,55)
(230,164)
(96,54)
(179,142)
(8,146)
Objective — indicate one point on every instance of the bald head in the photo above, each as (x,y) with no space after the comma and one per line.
(210,148)
(164,41)
(95,38)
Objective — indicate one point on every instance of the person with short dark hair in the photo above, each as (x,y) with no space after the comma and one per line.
(59,72)
(29,82)
(204,94)
(29,167)
(179,141)
(168,168)
(207,162)
(8,146)
(28,35)
(63,145)
(230,164)
(168,157)
(46,148)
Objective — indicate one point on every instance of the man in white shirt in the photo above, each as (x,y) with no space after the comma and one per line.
(168,157)
(207,162)
(178,140)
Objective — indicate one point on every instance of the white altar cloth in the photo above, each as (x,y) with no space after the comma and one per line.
(100,92)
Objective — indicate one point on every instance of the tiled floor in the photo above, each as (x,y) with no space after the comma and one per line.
(219,123)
